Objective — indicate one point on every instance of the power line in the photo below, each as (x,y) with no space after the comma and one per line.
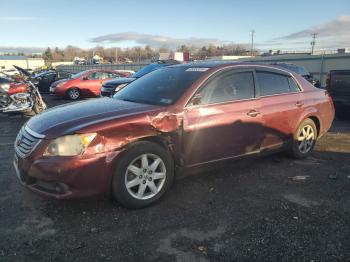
(313,42)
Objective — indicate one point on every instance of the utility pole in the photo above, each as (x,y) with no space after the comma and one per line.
(116,55)
(252,45)
(313,42)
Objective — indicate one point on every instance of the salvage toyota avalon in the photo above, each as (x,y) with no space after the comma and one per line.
(172,119)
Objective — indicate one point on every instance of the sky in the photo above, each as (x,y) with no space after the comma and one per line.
(278,24)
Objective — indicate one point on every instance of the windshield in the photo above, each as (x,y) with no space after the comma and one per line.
(77,75)
(161,87)
(146,70)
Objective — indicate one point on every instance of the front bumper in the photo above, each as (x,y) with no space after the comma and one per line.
(107,91)
(67,177)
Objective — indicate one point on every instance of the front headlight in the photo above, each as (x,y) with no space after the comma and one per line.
(120,87)
(71,145)
(61,84)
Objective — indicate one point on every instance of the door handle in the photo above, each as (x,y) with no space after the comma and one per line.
(253,113)
(299,104)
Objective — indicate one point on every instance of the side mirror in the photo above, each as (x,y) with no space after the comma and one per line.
(197,99)
(85,78)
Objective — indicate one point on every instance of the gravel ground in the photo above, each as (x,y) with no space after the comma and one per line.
(270,209)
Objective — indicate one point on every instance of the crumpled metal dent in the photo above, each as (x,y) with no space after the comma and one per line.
(166,122)
(161,124)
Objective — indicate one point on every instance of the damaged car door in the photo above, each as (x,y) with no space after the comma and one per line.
(223,118)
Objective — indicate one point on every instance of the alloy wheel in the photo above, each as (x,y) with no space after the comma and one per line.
(145,176)
(74,93)
(306,138)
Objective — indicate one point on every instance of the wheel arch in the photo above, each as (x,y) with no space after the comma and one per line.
(317,123)
(313,114)
(165,141)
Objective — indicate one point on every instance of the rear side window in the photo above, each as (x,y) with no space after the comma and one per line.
(229,86)
(293,85)
(273,84)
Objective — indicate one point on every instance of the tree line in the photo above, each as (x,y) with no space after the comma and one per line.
(138,53)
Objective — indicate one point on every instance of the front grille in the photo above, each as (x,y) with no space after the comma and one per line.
(26,141)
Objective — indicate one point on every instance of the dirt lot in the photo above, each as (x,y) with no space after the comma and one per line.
(271,209)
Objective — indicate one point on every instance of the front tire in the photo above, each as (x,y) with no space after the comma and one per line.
(143,175)
(73,93)
(304,139)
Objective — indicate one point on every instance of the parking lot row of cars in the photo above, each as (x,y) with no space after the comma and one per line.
(96,82)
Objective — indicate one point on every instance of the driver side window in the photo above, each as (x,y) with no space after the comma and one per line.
(228,86)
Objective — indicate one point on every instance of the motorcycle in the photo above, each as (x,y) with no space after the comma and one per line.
(23,98)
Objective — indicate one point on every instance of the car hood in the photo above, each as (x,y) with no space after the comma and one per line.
(118,81)
(60,81)
(70,118)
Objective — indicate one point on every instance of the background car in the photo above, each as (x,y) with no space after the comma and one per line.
(338,85)
(181,116)
(44,80)
(84,84)
(109,88)
(130,72)
(301,71)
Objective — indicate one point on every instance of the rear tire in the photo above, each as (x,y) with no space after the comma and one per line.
(73,93)
(143,175)
(304,139)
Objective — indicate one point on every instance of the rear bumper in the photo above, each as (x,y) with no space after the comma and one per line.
(67,177)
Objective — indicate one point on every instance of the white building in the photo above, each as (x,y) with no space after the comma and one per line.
(7,62)
(317,65)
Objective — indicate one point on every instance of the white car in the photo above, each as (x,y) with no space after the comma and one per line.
(126,71)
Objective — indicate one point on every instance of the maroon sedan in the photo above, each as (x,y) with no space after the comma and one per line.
(84,84)
(176,117)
